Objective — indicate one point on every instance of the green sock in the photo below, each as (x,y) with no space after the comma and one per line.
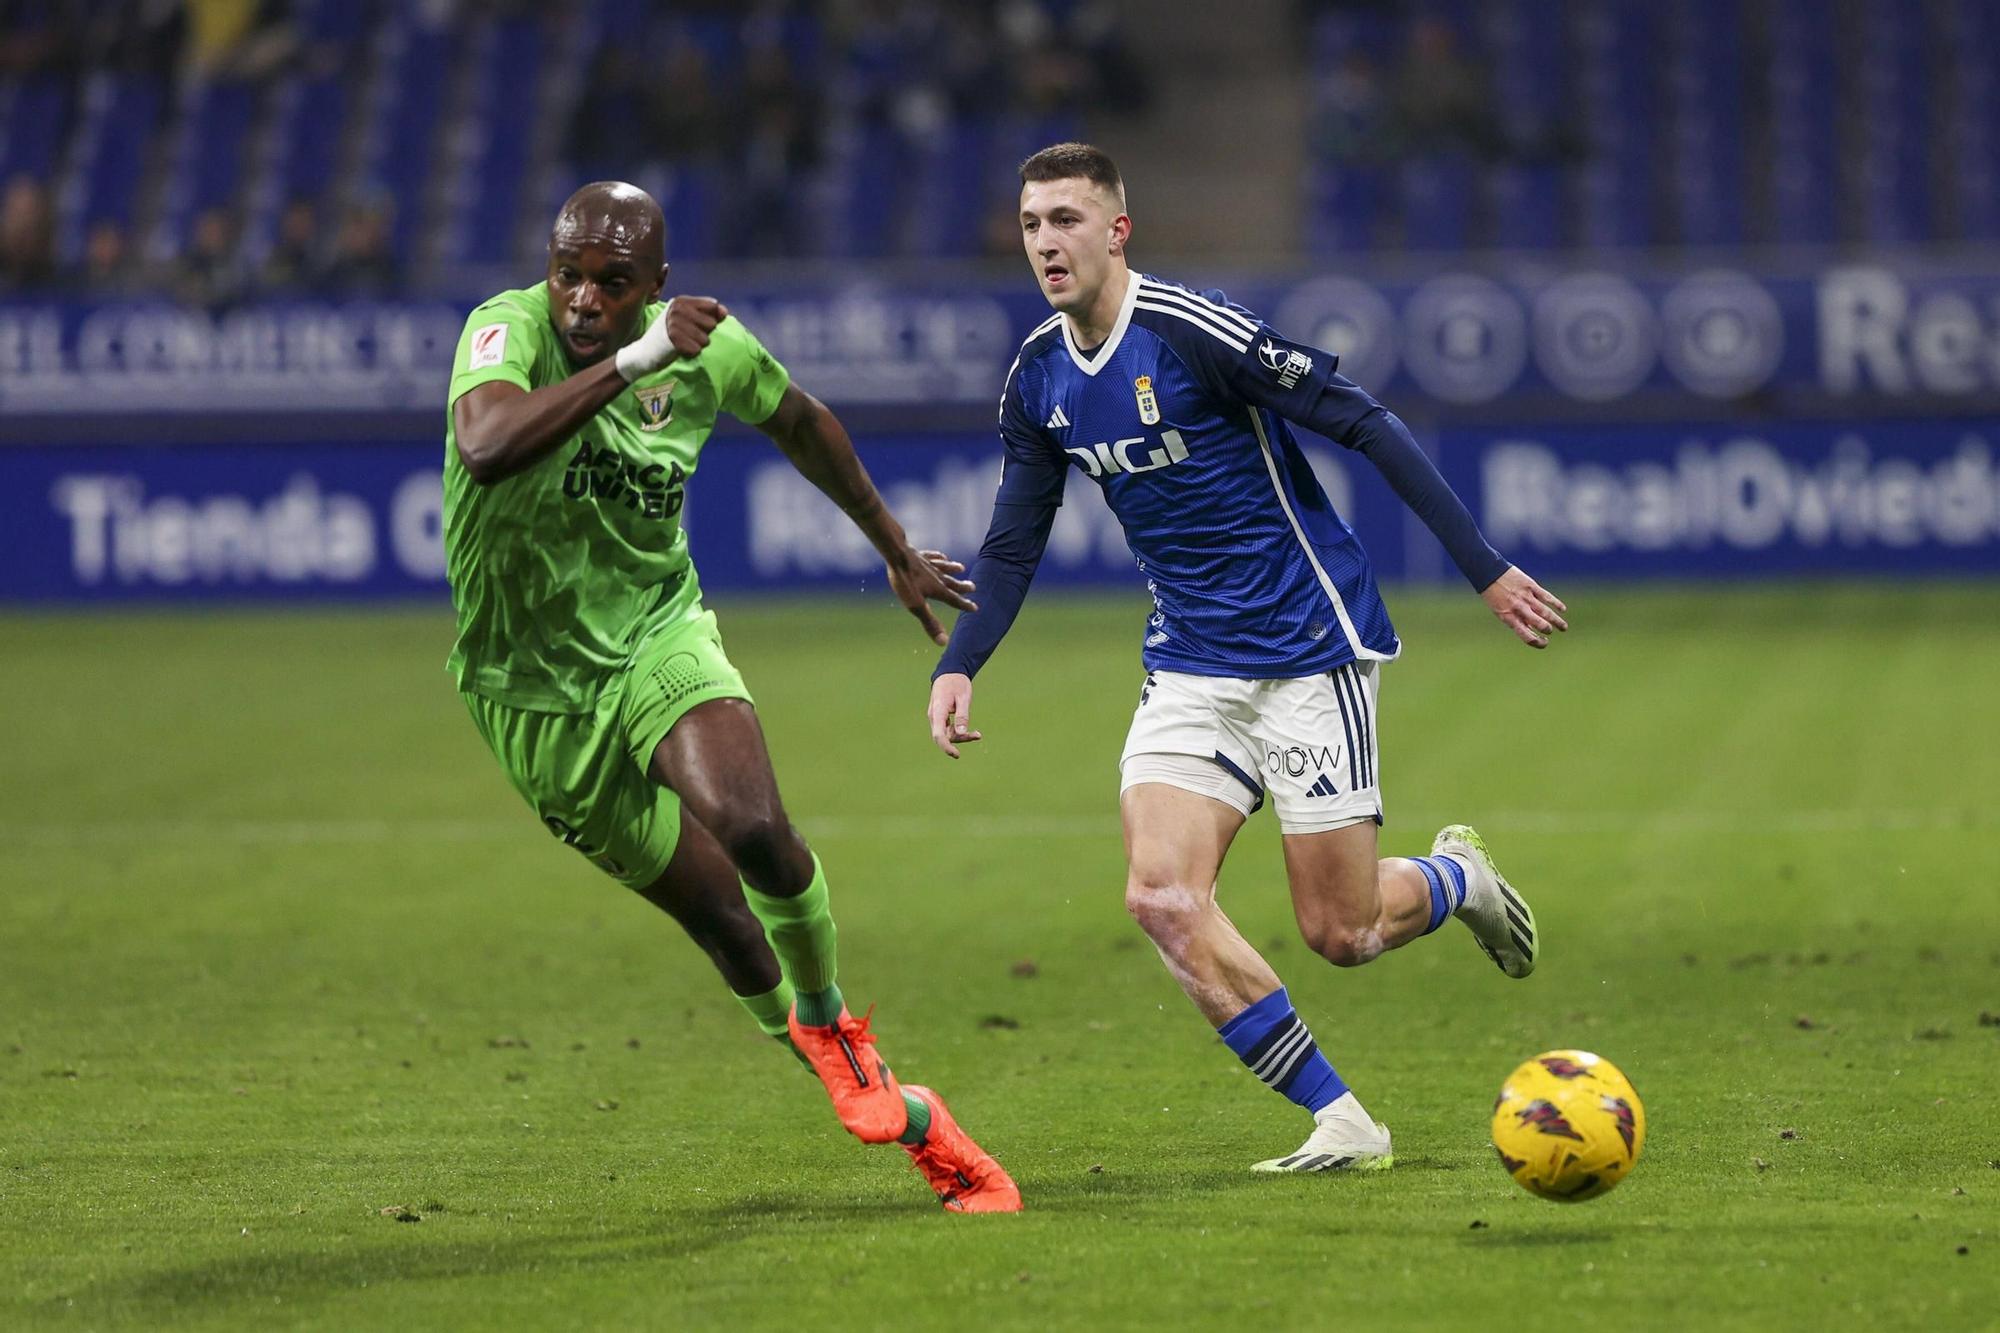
(920,1120)
(771,1010)
(802,935)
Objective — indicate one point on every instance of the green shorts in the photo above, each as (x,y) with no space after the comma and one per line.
(585,774)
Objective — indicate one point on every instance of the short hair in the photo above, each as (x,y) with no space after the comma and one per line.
(1075,161)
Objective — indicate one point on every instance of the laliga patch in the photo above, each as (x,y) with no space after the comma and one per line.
(656,405)
(1291,366)
(489,347)
(1149,404)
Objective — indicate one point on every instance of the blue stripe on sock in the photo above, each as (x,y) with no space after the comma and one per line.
(1440,900)
(1312,1082)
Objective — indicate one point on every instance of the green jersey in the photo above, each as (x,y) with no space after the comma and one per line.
(560,572)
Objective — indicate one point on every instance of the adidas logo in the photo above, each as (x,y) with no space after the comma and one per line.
(1057,421)
(1323,787)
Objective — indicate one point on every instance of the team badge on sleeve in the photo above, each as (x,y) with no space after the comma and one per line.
(1149,403)
(489,347)
(656,405)
(1292,365)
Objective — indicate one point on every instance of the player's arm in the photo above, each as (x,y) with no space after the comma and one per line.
(1006,566)
(818,446)
(1346,414)
(503,429)
(1300,384)
(1032,473)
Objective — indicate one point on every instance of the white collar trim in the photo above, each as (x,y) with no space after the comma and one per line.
(1088,365)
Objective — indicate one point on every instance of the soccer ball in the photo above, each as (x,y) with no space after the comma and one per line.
(1568,1126)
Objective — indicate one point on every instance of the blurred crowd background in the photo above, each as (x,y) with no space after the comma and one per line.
(216,149)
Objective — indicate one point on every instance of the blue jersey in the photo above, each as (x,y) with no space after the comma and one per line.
(1180,418)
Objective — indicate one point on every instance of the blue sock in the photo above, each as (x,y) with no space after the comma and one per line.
(1278,1048)
(1447,880)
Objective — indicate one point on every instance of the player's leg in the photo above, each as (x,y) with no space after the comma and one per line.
(572,771)
(1174,844)
(1353,905)
(700,890)
(715,759)
(691,716)
(1184,797)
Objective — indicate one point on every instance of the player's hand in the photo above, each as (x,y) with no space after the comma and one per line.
(951,712)
(689,321)
(923,577)
(681,329)
(1526,607)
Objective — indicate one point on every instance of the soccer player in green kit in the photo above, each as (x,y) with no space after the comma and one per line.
(577,415)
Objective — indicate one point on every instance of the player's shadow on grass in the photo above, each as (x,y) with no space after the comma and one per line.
(399,1252)
(301,1276)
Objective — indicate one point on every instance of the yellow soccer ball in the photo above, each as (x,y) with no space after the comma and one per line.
(1568,1126)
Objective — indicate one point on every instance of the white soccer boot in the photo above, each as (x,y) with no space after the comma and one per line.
(1497,915)
(1344,1138)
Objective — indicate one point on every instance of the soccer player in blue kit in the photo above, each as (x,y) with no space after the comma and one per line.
(1264,651)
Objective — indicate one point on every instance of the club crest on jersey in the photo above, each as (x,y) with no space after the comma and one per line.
(1291,365)
(1149,403)
(656,405)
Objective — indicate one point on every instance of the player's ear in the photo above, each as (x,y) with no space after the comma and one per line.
(1121,232)
(661,285)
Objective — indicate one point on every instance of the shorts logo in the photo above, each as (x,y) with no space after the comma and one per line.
(1294,760)
(571,838)
(489,347)
(656,405)
(1149,403)
(1291,365)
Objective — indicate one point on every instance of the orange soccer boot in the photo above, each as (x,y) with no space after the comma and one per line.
(965,1176)
(865,1094)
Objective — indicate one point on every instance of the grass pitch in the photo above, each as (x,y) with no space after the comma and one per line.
(281,952)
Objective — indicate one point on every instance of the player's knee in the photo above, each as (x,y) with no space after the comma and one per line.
(1165,910)
(1342,944)
(767,850)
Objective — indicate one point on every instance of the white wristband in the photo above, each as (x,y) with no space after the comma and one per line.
(649,351)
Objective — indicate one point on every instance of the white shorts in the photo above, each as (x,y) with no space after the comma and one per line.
(1309,743)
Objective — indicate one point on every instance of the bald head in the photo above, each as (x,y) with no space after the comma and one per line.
(616,216)
(607,260)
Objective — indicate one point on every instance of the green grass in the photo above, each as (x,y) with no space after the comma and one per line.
(279,949)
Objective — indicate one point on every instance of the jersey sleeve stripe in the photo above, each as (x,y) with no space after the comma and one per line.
(1360,649)
(1220,313)
(1212,330)
(1040,329)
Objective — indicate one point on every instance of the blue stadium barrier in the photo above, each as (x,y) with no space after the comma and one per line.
(1716,499)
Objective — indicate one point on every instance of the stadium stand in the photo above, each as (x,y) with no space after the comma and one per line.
(882,130)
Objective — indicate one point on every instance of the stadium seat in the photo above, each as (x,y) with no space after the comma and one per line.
(1437,202)
(35,117)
